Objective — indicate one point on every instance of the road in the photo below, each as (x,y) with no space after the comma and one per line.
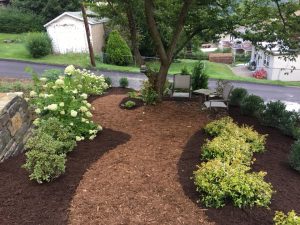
(290,95)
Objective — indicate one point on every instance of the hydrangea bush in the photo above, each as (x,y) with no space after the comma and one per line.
(66,99)
(64,116)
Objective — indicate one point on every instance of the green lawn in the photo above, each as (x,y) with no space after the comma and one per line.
(17,50)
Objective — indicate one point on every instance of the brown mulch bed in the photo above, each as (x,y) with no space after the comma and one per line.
(137,171)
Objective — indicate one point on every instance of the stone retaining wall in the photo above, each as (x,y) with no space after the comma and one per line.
(15,124)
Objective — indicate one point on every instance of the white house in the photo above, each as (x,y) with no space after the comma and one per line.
(275,65)
(68,34)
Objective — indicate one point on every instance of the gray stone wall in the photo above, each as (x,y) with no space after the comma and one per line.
(15,124)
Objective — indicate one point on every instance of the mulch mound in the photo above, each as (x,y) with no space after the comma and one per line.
(138,103)
(137,171)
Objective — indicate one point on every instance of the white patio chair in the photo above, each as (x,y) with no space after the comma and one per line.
(184,84)
(220,103)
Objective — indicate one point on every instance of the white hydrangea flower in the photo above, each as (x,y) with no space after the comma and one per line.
(52,107)
(36,122)
(45,86)
(43,79)
(26,99)
(32,94)
(71,124)
(88,105)
(73,113)
(100,128)
(83,120)
(84,101)
(83,109)
(79,86)
(59,82)
(84,96)
(92,137)
(41,95)
(62,112)
(88,114)
(38,111)
(70,70)
(62,104)
(78,138)
(75,91)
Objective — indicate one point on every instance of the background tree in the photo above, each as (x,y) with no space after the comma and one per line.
(47,9)
(172,24)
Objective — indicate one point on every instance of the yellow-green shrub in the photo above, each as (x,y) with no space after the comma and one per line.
(227,148)
(290,219)
(219,181)
(217,127)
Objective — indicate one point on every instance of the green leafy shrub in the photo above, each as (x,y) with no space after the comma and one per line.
(132,94)
(38,44)
(276,115)
(219,181)
(43,161)
(123,82)
(290,219)
(108,81)
(226,126)
(59,132)
(227,148)
(217,127)
(148,94)
(252,105)
(237,95)
(52,75)
(129,104)
(15,21)
(117,50)
(199,78)
(294,156)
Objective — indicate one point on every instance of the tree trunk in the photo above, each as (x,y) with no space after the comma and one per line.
(133,34)
(88,35)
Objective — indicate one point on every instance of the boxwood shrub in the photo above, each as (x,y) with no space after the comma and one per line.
(252,105)
(294,156)
(237,95)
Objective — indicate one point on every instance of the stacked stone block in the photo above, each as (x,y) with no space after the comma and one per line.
(15,125)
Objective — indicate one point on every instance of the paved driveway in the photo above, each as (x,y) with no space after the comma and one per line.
(290,95)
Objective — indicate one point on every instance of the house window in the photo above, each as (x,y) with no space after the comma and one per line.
(267,60)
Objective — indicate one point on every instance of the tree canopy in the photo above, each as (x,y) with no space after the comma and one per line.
(47,9)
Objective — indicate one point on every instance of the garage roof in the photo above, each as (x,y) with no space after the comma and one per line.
(78,16)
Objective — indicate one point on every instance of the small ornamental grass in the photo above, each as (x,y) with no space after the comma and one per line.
(225,173)
(291,218)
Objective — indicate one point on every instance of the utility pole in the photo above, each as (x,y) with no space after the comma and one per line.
(88,35)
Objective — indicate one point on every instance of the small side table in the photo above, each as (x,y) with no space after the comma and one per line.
(205,92)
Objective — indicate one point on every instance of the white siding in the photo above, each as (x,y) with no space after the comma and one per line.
(282,70)
(278,68)
(68,36)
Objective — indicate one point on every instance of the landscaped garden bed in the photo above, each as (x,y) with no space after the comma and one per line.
(138,171)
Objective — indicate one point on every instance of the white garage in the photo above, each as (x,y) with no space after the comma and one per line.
(68,33)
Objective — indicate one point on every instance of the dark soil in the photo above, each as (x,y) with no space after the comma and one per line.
(137,171)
